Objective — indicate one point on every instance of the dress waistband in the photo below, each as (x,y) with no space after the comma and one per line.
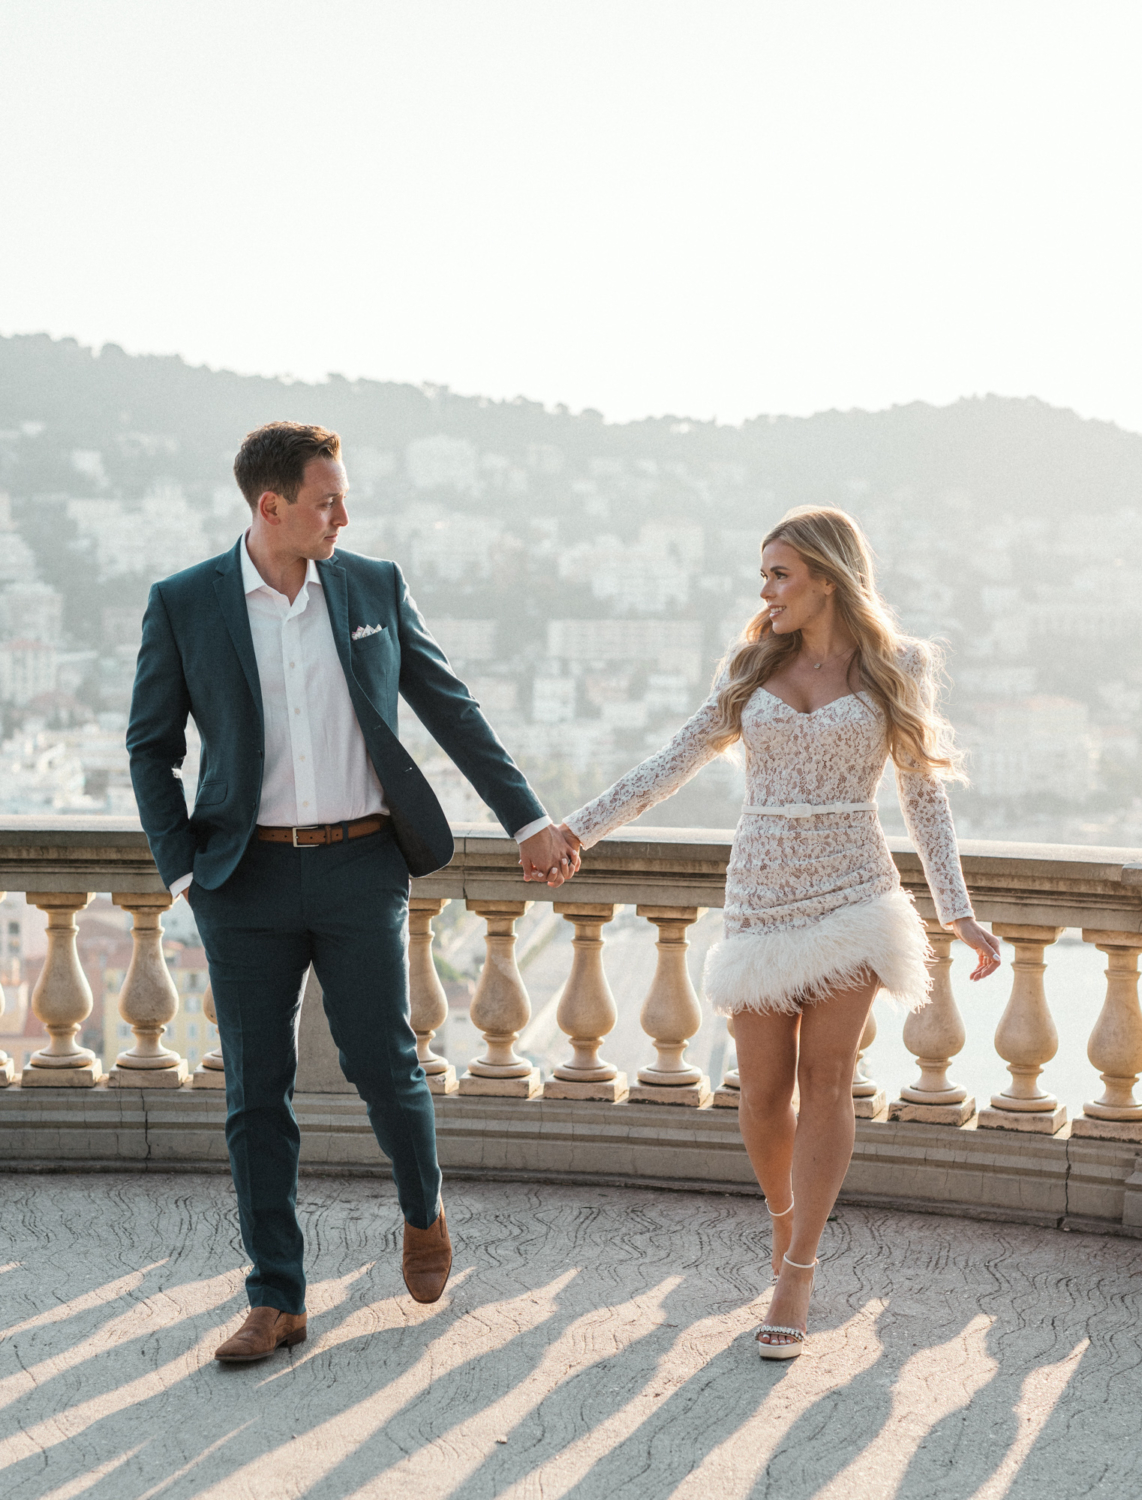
(806,810)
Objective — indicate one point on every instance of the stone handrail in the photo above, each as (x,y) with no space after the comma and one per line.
(72,853)
(1030,893)
(1072,885)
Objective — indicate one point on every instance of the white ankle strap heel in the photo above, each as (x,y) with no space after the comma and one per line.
(796,1336)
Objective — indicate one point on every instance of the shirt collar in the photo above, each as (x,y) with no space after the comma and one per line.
(252,579)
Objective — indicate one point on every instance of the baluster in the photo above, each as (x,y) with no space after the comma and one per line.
(1115,1046)
(586,1013)
(427,1001)
(7,1066)
(62,999)
(1026,1038)
(868,1096)
(934,1036)
(500,1009)
(728,1096)
(671,1014)
(148,1001)
(211,1071)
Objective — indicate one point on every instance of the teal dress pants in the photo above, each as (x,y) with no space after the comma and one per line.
(342,908)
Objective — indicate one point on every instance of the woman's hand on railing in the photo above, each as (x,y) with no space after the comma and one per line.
(986,946)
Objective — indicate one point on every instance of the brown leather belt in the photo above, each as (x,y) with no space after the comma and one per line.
(324,833)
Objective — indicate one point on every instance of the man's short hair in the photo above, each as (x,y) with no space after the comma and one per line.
(274,457)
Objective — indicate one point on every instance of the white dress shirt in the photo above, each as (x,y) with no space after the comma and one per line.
(317,767)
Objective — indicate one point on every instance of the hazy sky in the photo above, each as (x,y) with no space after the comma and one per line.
(689,206)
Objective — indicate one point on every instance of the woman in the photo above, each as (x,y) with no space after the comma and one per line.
(822,690)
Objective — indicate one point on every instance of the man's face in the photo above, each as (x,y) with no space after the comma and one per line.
(309,526)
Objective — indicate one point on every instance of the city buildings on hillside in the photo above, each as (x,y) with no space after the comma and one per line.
(27,671)
(1035,747)
(668,645)
(31,611)
(17,560)
(585,597)
(78,769)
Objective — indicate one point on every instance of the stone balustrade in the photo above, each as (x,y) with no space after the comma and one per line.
(1029,894)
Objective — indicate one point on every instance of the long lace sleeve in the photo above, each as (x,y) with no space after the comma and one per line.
(652,781)
(928,818)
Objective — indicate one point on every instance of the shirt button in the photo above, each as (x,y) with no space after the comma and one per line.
(291,663)
(297,710)
(303,757)
(305,804)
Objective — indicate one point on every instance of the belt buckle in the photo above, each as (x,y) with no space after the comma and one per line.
(303,828)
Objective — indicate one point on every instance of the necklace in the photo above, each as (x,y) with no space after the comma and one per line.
(817,665)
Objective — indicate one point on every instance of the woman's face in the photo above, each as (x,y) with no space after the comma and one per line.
(796,597)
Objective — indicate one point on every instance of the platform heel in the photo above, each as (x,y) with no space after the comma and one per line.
(798,1335)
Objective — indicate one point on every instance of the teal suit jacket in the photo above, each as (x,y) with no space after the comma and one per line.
(197,658)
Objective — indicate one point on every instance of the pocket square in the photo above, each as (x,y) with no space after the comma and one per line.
(363,630)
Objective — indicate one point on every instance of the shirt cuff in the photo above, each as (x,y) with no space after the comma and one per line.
(529,828)
(178,886)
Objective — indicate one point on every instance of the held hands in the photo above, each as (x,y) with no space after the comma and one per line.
(551,855)
(968,930)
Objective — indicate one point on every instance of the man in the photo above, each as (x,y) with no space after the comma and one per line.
(309,818)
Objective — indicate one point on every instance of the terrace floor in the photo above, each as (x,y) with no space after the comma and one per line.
(593,1342)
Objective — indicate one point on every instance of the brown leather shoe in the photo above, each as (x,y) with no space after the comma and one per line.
(427,1259)
(264,1330)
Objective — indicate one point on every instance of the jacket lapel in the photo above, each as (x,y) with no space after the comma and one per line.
(336,588)
(232,602)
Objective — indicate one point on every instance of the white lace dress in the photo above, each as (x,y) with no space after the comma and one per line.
(811,901)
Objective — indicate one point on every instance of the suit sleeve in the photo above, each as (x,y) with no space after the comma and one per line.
(453,718)
(156,743)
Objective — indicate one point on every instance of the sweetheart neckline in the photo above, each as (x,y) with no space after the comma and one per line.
(807,713)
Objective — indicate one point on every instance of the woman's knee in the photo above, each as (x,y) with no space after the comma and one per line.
(825,1081)
(765,1100)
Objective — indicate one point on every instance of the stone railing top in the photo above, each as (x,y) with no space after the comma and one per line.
(75,852)
(651,866)
(1065,885)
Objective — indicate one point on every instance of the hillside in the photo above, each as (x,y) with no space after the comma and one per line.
(1006,527)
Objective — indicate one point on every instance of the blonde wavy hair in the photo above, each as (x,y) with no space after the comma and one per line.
(835,547)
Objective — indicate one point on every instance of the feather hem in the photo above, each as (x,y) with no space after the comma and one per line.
(781,970)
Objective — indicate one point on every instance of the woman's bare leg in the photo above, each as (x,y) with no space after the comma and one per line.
(767,1067)
(830,1033)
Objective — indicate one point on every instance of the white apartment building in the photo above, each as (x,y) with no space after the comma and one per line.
(454,547)
(31,611)
(465,640)
(27,671)
(160,535)
(672,646)
(646,578)
(17,561)
(1031,747)
(553,700)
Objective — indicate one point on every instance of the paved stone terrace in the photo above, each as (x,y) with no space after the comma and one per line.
(594,1342)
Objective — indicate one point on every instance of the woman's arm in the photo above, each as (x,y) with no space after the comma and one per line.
(928,818)
(655,779)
